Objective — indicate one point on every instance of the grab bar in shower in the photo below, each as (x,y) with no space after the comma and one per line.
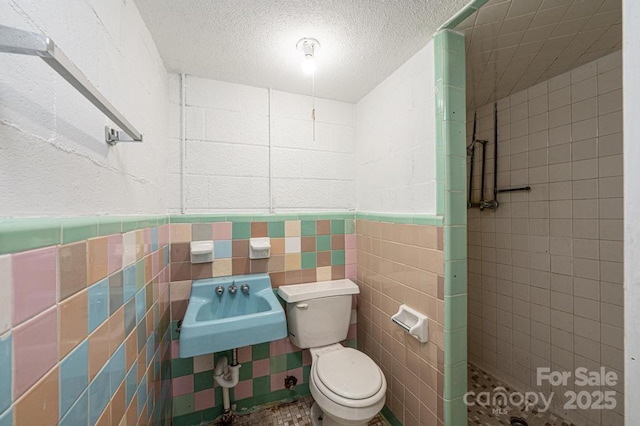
(13,40)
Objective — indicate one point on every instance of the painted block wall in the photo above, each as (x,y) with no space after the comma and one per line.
(227,151)
(54,158)
(84,325)
(546,268)
(396,141)
(631,90)
(305,248)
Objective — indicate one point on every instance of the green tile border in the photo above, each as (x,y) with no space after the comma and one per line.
(451,204)
(389,417)
(415,219)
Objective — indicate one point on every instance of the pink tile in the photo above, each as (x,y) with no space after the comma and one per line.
(350,257)
(350,272)
(35,350)
(205,399)
(222,231)
(261,368)
(34,283)
(175,349)
(281,347)
(350,241)
(306,357)
(164,233)
(147,241)
(244,354)
(116,250)
(277,381)
(182,385)
(243,389)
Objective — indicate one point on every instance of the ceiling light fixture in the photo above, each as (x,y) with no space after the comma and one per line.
(308,47)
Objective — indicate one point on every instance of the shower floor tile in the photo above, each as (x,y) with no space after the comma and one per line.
(295,413)
(479,381)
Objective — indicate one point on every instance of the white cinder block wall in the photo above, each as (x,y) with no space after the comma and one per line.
(546,268)
(397,140)
(53,157)
(228,127)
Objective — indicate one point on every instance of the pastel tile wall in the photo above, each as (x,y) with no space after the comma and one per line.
(75,348)
(304,248)
(403,263)
(546,268)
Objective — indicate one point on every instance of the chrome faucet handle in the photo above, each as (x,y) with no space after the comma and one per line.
(219,290)
(245,288)
(233,288)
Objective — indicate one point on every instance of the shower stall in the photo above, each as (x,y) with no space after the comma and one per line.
(545,210)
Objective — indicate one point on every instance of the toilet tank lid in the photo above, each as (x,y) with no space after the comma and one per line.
(299,292)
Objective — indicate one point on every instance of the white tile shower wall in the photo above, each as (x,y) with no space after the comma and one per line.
(47,126)
(545,269)
(227,150)
(396,141)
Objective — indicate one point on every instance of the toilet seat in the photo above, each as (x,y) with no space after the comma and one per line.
(348,377)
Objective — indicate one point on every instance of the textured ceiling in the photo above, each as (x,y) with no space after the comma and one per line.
(253,41)
(514,44)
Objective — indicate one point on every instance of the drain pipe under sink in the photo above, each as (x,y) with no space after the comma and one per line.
(227,376)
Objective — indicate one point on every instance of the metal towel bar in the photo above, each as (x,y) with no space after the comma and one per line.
(22,42)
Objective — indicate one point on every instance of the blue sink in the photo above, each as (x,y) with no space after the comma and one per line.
(216,323)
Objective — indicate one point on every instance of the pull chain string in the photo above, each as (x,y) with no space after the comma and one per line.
(313,103)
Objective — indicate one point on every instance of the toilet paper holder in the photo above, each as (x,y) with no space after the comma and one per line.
(412,321)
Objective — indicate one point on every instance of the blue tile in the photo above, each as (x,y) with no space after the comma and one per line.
(141,306)
(99,394)
(129,282)
(129,316)
(6,419)
(5,372)
(222,249)
(165,252)
(78,413)
(98,304)
(73,376)
(142,394)
(154,239)
(118,368)
(131,383)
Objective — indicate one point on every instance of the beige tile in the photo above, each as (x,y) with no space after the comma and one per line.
(39,405)
(73,322)
(97,259)
(292,228)
(222,267)
(98,349)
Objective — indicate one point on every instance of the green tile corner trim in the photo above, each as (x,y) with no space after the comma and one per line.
(451,204)
(388,415)
(463,14)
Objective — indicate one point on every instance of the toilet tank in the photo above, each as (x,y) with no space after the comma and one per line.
(319,313)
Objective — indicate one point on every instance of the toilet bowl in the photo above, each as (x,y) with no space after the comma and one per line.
(347,386)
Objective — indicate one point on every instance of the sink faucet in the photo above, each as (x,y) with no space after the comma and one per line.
(219,290)
(233,288)
(245,288)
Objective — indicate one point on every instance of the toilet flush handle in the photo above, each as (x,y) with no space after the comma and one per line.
(302,305)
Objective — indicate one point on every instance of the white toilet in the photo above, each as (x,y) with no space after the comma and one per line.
(347,386)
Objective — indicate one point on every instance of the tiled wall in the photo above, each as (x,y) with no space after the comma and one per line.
(240,138)
(545,269)
(86,334)
(304,248)
(403,263)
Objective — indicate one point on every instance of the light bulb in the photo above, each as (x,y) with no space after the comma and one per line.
(309,64)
